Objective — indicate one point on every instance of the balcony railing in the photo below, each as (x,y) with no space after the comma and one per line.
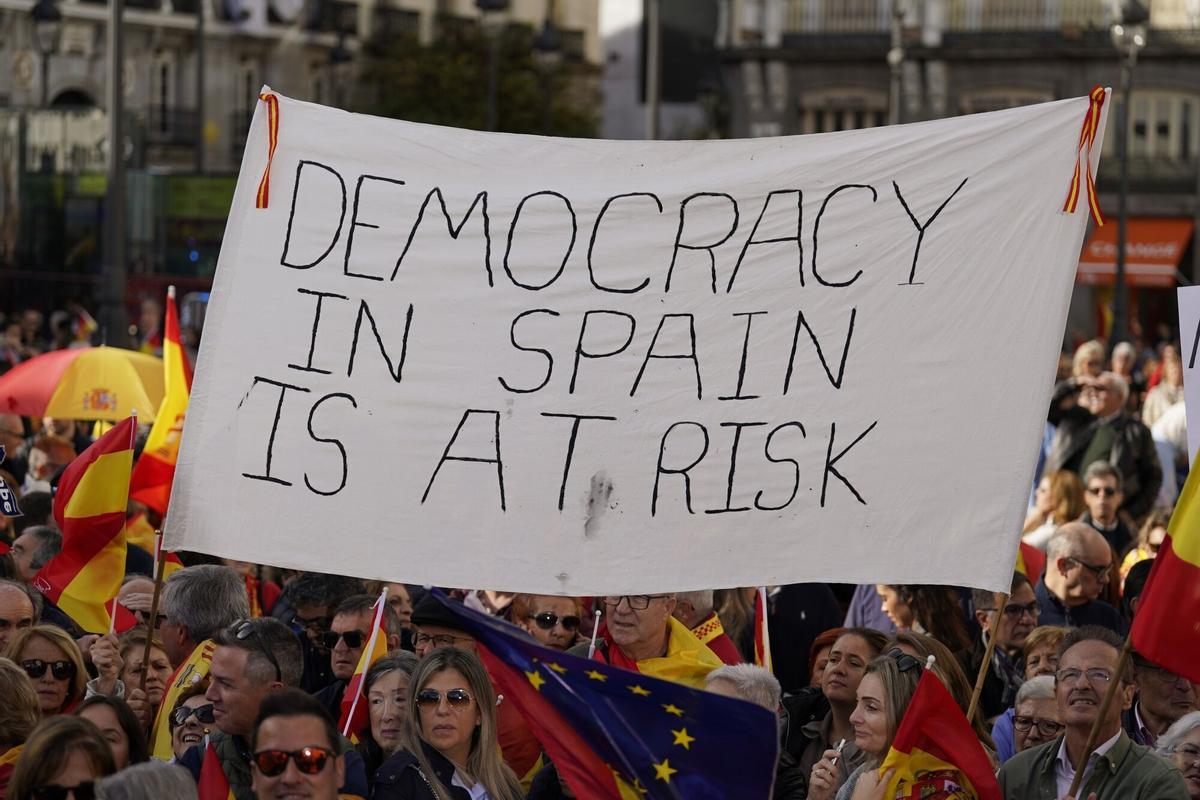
(967,16)
(171,127)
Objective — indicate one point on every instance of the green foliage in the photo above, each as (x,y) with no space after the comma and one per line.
(445,83)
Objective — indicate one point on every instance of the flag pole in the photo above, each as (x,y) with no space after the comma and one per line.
(988,652)
(1122,665)
(158,582)
(377,625)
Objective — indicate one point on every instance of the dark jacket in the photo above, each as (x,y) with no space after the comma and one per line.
(790,781)
(1094,612)
(1000,685)
(1126,772)
(1132,451)
(234,754)
(331,698)
(401,778)
(799,709)
(1119,538)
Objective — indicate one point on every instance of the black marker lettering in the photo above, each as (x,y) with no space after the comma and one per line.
(733,451)
(354,223)
(562,490)
(592,244)
(335,442)
(496,459)
(312,344)
(817,227)
(283,389)
(912,273)
(687,479)
(287,239)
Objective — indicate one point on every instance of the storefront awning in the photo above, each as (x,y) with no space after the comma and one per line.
(1153,247)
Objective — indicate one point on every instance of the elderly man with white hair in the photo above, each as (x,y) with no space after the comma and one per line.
(1181,744)
(1092,425)
(757,685)
(695,610)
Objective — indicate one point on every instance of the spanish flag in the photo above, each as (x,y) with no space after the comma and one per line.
(354,717)
(187,675)
(1031,562)
(90,510)
(1166,629)
(151,484)
(762,634)
(213,785)
(934,752)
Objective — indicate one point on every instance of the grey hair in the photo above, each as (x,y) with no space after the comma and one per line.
(150,780)
(205,599)
(266,635)
(1039,688)
(753,683)
(700,600)
(1068,539)
(1103,469)
(49,544)
(1180,728)
(35,597)
(1124,349)
(1117,382)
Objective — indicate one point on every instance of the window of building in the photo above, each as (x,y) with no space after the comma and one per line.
(1162,124)
(841,110)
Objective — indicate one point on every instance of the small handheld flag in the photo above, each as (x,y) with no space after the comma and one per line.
(90,511)
(354,718)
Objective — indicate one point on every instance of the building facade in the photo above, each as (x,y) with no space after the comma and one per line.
(813,66)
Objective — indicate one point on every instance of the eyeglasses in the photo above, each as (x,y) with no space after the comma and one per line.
(440,640)
(637,602)
(142,617)
(316,624)
(354,639)
(36,668)
(83,791)
(309,760)
(546,621)
(203,714)
(457,699)
(1047,727)
(1107,491)
(243,630)
(904,662)
(1015,612)
(1099,573)
(1188,752)
(1094,676)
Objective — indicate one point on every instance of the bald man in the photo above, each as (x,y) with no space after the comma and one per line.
(1079,562)
(16,610)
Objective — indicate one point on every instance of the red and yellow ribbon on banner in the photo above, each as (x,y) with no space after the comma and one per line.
(262,198)
(1087,138)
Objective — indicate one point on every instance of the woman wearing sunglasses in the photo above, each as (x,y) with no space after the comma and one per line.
(191,719)
(450,750)
(883,696)
(61,761)
(553,621)
(53,662)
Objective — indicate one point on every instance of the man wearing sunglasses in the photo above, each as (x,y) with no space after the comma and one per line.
(1118,769)
(695,610)
(295,749)
(1079,562)
(253,659)
(1092,426)
(345,640)
(1103,496)
(1018,617)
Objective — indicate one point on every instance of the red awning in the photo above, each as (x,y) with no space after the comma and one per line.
(1153,247)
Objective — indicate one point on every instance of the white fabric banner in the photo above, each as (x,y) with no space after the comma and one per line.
(1188,298)
(586,367)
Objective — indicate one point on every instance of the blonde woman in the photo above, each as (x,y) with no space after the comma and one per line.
(53,662)
(1058,500)
(450,751)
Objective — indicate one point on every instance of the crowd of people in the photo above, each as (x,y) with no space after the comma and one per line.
(246,666)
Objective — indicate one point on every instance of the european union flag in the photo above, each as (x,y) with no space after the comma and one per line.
(8,499)
(603,726)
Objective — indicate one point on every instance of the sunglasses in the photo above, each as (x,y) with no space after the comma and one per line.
(84,791)
(246,629)
(546,621)
(904,662)
(36,668)
(457,699)
(354,639)
(308,760)
(203,714)
(1107,491)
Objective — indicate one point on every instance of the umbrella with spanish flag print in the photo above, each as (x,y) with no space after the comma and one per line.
(105,383)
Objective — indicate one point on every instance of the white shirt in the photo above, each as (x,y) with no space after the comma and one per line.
(1064,772)
(478,791)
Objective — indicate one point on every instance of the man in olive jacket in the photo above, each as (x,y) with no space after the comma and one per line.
(1118,769)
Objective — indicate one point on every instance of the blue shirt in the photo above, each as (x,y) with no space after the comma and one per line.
(1093,612)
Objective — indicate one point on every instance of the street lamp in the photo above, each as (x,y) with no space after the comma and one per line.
(547,55)
(492,19)
(47,25)
(1128,37)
